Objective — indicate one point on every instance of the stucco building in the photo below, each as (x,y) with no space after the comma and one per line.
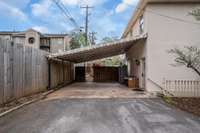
(49,42)
(167,24)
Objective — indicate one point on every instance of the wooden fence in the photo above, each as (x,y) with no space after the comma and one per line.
(183,88)
(24,71)
(62,72)
(106,74)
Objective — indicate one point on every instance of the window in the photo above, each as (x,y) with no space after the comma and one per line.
(31,40)
(141,24)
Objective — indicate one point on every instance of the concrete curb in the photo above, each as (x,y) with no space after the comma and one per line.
(27,103)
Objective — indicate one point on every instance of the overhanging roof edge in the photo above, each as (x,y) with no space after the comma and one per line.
(114,44)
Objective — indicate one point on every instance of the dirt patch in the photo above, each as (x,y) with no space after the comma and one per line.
(19,102)
(191,105)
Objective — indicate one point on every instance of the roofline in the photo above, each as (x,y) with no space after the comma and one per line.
(101,45)
(9,32)
(142,5)
(54,35)
(22,33)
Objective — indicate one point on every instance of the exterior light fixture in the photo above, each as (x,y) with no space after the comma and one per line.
(137,62)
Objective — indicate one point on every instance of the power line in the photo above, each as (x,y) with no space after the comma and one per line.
(65,12)
(166,16)
(71,17)
(174,18)
(86,21)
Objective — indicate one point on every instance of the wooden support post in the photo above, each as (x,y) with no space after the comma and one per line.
(49,75)
(63,67)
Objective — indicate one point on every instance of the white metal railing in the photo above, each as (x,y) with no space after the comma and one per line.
(183,88)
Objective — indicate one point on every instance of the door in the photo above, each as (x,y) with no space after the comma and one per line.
(143,73)
(80,74)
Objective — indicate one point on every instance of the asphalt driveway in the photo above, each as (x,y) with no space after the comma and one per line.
(99,116)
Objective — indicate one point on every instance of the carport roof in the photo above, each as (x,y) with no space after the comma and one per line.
(97,51)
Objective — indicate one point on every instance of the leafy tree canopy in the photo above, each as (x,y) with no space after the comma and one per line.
(108,39)
(77,40)
(112,61)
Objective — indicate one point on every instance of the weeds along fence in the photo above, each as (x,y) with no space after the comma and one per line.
(183,88)
(24,71)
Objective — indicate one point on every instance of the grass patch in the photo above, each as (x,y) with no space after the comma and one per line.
(168,99)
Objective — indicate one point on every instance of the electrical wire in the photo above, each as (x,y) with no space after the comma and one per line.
(166,16)
(65,12)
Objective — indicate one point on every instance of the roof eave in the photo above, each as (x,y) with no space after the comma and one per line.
(141,6)
(137,11)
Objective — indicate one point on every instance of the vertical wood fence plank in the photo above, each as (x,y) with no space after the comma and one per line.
(1,71)
(24,71)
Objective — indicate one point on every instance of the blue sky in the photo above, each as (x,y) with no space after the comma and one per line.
(108,17)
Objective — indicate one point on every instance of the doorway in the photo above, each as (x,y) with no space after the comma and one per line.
(80,73)
(143,73)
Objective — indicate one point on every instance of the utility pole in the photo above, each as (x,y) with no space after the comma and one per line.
(86,21)
(93,38)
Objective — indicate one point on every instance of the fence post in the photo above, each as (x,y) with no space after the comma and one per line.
(12,68)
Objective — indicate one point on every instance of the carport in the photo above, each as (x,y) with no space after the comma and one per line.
(95,52)
(98,51)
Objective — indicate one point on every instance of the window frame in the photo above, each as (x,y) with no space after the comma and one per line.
(141,24)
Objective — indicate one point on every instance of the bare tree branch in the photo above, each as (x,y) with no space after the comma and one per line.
(189,57)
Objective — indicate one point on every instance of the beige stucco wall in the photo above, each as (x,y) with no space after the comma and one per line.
(136,52)
(16,39)
(57,44)
(67,43)
(6,37)
(165,33)
(35,35)
(135,30)
(20,40)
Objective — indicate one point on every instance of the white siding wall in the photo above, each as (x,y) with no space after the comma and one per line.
(164,34)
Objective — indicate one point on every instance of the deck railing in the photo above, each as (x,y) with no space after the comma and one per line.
(183,88)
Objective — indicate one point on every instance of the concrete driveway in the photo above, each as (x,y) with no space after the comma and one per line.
(89,90)
(99,116)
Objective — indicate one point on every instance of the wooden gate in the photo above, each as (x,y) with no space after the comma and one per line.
(106,74)
(80,74)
